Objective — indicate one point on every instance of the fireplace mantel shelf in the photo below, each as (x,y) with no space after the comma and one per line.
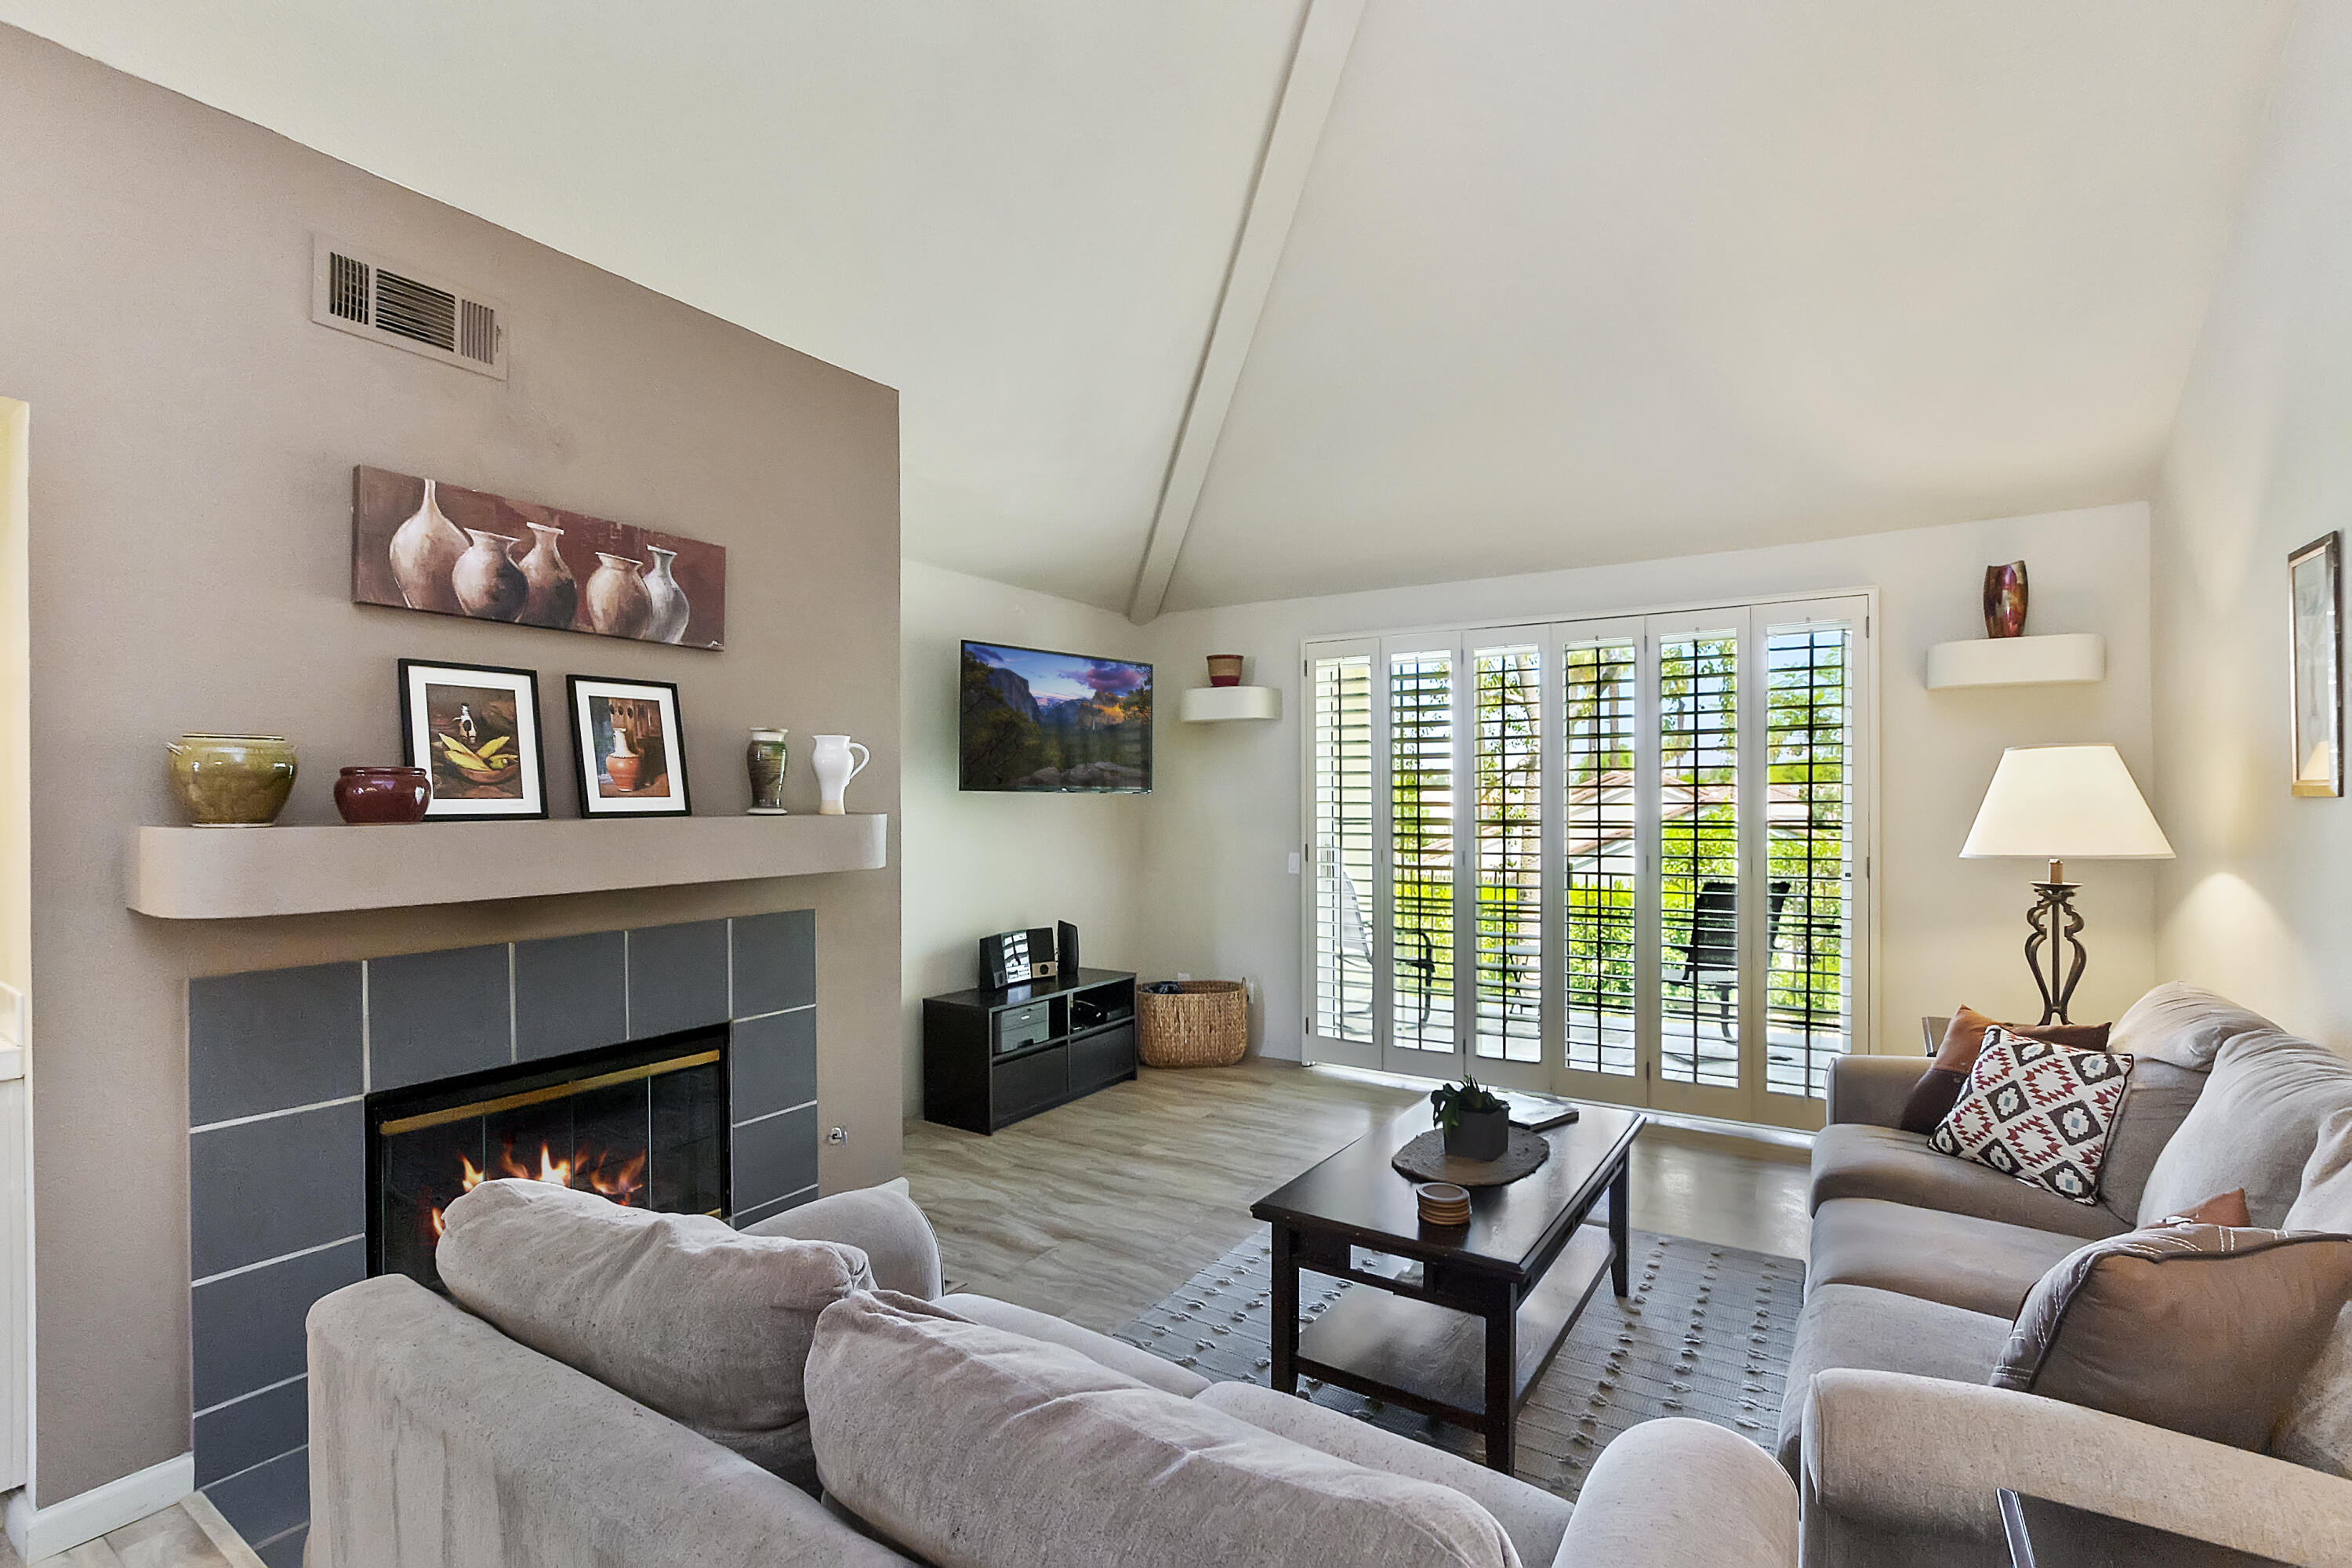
(214,873)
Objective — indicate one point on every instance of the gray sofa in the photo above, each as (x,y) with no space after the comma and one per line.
(1920,1263)
(438,1442)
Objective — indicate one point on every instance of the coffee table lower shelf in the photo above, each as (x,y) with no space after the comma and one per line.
(1431,1358)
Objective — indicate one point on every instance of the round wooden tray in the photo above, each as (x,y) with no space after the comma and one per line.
(1426,1159)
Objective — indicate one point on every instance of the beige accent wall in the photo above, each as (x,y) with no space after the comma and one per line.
(2259,465)
(190,570)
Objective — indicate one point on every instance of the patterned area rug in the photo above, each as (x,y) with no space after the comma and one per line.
(1706,1332)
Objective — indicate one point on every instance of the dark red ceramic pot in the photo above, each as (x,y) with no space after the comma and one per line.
(384,795)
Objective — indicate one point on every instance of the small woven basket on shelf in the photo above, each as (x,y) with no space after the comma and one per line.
(1205,1025)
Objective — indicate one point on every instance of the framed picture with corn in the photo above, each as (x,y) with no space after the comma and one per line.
(477,729)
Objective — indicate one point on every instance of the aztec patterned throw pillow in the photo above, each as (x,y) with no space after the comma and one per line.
(2038,1112)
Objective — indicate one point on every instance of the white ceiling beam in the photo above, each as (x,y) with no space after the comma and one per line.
(1325,36)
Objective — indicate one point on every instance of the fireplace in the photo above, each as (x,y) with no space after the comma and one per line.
(644,1124)
(332,1108)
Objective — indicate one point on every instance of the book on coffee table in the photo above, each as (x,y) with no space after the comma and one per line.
(1538,1112)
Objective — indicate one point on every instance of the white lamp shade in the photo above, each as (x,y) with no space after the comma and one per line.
(2064,803)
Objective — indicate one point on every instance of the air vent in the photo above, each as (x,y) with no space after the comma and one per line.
(347,285)
(416,310)
(372,297)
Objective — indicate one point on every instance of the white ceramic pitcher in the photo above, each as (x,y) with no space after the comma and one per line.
(830,758)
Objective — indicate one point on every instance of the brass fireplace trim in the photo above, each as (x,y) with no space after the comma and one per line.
(541,1096)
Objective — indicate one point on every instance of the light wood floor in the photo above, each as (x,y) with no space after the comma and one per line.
(1097,1210)
(191,1533)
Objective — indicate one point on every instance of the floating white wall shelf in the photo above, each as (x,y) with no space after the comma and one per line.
(1216,704)
(224,873)
(2072,656)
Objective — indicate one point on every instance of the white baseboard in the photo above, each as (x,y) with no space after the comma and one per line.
(38,1533)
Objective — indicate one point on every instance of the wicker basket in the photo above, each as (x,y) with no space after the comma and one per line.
(1206,1025)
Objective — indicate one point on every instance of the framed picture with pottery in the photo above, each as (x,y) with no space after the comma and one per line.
(426,545)
(2317,720)
(630,748)
(477,729)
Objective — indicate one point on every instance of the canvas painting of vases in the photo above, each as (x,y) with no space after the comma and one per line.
(425,544)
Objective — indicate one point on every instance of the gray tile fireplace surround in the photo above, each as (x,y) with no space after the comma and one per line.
(278,1062)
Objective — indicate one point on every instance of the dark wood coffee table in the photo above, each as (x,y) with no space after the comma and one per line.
(1460,1320)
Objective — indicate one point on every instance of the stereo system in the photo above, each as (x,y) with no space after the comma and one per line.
(1018,957)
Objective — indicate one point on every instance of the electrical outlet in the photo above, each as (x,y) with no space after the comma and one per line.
(1293,862)
(1182,975)
(838,1135)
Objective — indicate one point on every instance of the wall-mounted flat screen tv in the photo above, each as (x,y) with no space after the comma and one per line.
(1053,723)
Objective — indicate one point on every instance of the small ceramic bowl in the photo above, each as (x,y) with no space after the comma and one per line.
(367,796)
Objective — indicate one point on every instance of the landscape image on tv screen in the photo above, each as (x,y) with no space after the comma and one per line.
(1054,722)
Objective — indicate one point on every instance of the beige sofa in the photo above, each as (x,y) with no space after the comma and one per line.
(438,1442)
(1920,1262)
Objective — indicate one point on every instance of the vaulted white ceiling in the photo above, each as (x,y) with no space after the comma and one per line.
(1598,281)
(1570,280)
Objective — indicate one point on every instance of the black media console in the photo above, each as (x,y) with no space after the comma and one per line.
(990,1057)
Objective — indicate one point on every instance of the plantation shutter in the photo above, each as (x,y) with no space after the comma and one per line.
(1340,780)
(1421,828)
(1599,866)
(1809,812)
(1619,858)
(1508,754)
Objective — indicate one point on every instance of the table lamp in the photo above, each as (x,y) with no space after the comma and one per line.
(2059,803)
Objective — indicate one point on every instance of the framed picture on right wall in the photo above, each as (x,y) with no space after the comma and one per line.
(2317,722)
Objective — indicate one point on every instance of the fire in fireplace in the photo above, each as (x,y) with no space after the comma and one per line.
(644,1124)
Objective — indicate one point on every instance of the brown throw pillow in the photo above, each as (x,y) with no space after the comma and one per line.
(2226,1209)
(2201,1329)
(1939,1087)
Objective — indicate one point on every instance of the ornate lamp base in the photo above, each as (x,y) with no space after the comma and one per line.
(2056,925)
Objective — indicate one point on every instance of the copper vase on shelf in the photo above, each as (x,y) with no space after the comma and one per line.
(2004,600)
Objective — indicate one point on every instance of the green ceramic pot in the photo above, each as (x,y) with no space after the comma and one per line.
(233,781)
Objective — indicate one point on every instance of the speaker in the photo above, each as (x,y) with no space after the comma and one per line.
(1066,950)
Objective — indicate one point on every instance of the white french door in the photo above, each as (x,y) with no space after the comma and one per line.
(1622,858)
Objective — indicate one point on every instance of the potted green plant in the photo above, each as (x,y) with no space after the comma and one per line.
(1477,1125)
